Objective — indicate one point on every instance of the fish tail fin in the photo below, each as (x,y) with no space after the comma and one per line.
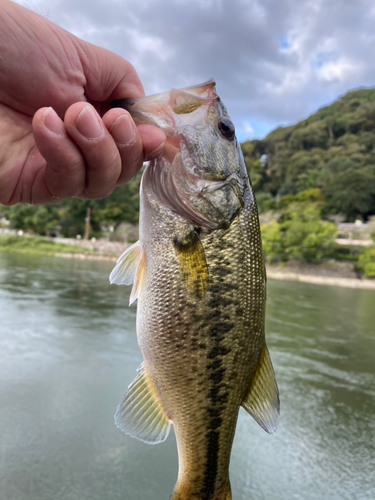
(188,492)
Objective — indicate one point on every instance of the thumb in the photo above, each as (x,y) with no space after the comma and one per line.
(108,75)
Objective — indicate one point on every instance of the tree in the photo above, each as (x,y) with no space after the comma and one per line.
(349,188)
(299,234)
(366,261)
(36,219)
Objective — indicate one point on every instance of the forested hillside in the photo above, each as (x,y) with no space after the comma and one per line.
(332,150)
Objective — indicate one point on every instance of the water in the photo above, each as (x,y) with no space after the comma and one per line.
(68,350)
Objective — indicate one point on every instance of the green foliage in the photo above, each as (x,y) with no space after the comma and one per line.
(346,252)
(349,188)
(36,219)
(299,234)
(333,149)
(36,245)
(68,217)
(366,262)
(312,135)
(265,202)
(272,241)
(308,196)
(72,214)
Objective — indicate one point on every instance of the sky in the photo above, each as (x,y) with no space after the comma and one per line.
(274,61)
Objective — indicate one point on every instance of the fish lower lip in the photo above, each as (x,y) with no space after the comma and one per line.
(231,181)
(208,186)
(213,186)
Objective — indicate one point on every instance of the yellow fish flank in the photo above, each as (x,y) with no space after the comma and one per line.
(199,277)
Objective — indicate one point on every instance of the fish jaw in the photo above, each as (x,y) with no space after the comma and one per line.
(206,204)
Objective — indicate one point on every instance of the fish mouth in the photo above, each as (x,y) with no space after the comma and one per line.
(220,203)
(210,196)
(200,181)
(205,199)
(208,204)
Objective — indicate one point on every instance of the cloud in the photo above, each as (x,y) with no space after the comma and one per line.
(246,131)
(339,71)
(275,61)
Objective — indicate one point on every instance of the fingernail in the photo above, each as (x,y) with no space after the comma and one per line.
(88,124)
(53,122)
(123,130)
(156,151)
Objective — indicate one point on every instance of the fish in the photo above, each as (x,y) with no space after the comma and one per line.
(199,277)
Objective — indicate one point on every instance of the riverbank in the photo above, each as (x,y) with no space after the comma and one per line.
(38,245)
(332,272)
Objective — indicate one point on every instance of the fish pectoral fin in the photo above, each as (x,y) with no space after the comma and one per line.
(140,414)
(262,401)
(129,269)
(193,264)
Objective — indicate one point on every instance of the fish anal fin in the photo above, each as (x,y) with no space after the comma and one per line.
(262,401)
(193,265)
(140,414)
(129,269)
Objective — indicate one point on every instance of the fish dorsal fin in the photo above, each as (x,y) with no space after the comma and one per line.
(193,265)
(140,414)
(129,269)
(262,401)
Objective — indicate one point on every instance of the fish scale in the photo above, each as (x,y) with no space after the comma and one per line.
(201,302)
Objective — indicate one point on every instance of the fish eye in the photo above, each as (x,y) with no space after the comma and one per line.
(226,128)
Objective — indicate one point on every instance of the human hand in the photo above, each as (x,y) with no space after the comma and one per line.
(58,137)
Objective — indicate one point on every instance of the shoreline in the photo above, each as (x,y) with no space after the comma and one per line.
(332,273)
(322,280)
(292,272)
(85,256)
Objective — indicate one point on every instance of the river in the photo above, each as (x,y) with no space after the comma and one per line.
(68,350)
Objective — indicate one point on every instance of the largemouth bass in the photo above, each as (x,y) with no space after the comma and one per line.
(199,277)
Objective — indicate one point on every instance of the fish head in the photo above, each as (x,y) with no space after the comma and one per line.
(201,174)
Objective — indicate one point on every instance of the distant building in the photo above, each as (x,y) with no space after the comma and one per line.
(3,220)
